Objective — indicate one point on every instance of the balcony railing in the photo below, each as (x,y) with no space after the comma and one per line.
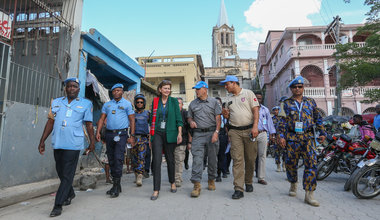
(319,92)
(314,92)
(321,46)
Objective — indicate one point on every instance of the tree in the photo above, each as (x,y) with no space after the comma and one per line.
(361,65)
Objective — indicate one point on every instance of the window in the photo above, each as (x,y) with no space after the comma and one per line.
(222,37)
(227,40)
(215,92)
(305,41)
(282,50)
(182,89)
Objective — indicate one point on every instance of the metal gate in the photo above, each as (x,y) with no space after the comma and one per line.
(4,74)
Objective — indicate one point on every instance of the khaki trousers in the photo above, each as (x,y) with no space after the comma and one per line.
(179,157)
(262,145)
(243,152)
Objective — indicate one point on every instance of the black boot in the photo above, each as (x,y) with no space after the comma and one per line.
(57,210)
(116,188)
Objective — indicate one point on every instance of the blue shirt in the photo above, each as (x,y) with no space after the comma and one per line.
(376,122)
(142,122)
(68,122)
(117,113)
(265,120)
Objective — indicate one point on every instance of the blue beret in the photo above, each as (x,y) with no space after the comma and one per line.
(201,84)
(276,107)
(229,78)
(117,85)
(297,80)
(72,79)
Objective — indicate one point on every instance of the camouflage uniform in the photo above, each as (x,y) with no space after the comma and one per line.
(301,143)
(138,154)
(279,152)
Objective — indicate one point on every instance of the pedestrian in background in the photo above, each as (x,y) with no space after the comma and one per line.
(166,132)
(296,133)
(66,118)
(243,114)
(279,152)
(376,120)
(223,142)
(204,118)
(180,150)
(265,126)
(120,116)
(139,150)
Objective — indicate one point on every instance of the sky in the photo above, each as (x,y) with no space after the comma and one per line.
(174,27)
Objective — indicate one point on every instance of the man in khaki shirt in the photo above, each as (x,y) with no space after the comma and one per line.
(243,114)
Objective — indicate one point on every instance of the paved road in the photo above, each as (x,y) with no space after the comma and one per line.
(266,202)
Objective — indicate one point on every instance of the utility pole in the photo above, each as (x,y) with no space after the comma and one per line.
(334,30)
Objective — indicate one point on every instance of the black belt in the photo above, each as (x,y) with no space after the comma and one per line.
(117,130)
(261,131)
(241,127)
(204,129)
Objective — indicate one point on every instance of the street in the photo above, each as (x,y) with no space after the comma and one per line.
(266,202)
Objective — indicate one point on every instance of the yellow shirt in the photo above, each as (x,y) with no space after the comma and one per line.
(240,107)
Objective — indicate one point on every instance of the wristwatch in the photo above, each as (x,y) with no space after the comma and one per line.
(217,131)
(133,135)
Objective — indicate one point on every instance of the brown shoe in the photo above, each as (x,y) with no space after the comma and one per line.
(211,185)
(309,198)
(263,182)
(293,189)
(197,189)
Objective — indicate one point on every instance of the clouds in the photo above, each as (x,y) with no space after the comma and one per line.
(264,15)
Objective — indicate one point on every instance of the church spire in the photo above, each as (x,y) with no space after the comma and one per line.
(223,19)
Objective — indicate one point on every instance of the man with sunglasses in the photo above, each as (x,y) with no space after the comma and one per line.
(296,133)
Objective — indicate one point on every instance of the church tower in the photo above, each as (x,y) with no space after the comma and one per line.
(223,39)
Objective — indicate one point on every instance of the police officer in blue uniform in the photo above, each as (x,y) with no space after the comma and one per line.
(120,116)
(296,131)
(65,120)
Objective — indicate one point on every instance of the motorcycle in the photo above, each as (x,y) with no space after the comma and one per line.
(369,153)
(342,158)
(366,180)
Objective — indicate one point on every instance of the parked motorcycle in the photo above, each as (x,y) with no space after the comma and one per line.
(343,157)
(366,181)
(369,153)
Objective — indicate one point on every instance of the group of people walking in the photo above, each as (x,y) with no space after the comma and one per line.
(204,129)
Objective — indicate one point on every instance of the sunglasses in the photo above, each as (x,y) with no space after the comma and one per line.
(298,87)
(139,102)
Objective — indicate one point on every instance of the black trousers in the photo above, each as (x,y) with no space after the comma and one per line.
(65,163)
(148,159)
(223,141)
(160,144)
(186,161)
(115,152)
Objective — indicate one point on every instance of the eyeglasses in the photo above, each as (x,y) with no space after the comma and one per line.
(139,102)
(296,87)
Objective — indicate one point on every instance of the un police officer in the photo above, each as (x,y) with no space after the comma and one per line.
(65,119)
(297,135)
(120,115)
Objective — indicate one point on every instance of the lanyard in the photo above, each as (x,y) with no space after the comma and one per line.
(163,110)
(299,109)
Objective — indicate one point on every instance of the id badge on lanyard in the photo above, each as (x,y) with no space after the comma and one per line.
(299,124)
(163,123)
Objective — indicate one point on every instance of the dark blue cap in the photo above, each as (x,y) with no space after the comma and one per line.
(201,84)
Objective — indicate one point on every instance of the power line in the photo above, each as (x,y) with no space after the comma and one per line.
(319,11)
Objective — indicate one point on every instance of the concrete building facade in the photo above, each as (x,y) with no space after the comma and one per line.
(182,70)
(308,51)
